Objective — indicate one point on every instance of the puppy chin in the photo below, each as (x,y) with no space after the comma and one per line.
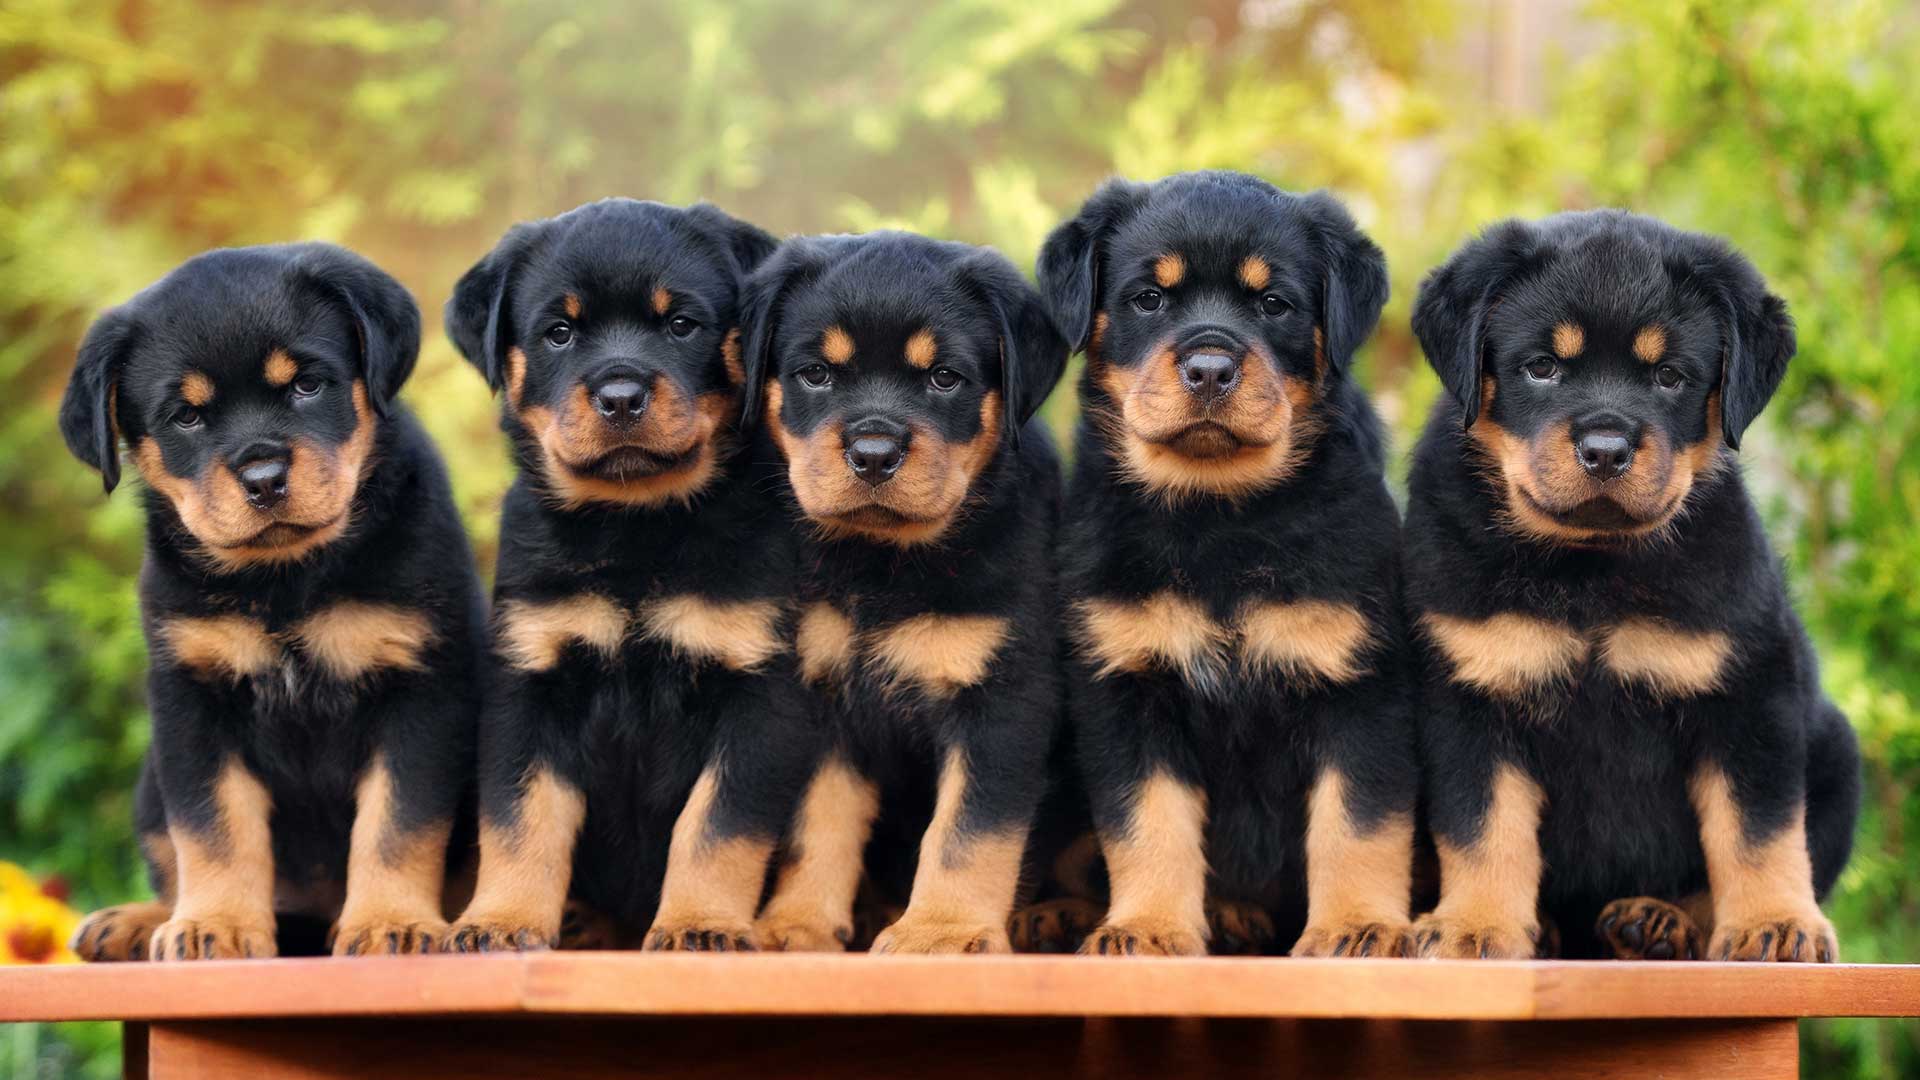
(1204,441)
(874,519)
(1592,519)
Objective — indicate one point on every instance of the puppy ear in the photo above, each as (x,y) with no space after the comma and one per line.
(1070,261)
(1450,313)
(1759,344)
(384,314)
(1032,351)
(793,263)
(748,243)
(87,419)
(477,317)
(1356,283)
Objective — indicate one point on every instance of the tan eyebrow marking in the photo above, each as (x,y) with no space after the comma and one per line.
(1568,340)
(1169,269)
(1254,272)
(572,304)
(1650,344)
(836,345)
(280,368)
(921,349)
(662,299)
(196,388)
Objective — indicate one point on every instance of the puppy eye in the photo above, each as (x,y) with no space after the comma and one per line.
(559,334)
(680,326)
(815,376)
(1148,302)
(1273,305)
(1668,376)
(306,386)
(944,379)
(1542,370)
(186,418)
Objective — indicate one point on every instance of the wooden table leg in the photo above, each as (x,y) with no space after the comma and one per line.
(133,1050)
(563,1048)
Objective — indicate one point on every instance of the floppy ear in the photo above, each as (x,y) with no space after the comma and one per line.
(1032,352)
(760,298)
(1450,313)
(87,419)
(1760,343)
(1356,285)
(385,317)
(1069,262)
(749,244)
(477,316)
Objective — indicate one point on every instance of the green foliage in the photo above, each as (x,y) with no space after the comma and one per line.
(134,134)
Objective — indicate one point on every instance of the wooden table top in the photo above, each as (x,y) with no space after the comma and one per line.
(803,985)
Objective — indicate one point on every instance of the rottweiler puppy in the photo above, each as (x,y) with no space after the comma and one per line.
(1623,731)
(641,741)
(900,376)
(1237,673)
(313,619)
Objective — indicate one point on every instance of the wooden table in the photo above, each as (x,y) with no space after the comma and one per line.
(563,1015)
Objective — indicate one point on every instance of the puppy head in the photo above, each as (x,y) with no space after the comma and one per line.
(248,383)
(1601,361)
(1215,311)
(894,368)
(613,330)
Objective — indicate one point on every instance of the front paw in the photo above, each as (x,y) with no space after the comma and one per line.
(923,935)
(1462,938)
(1356,937)
(1142,937)
(1642,928)
(1806,937)
(213,938)
(390,935)
(118,933)
(789,932)
(1054,926)
(496,933)
(695,935)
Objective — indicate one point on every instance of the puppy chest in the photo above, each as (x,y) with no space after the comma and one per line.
(346,642)
(933,655)
(1301,641)
(1519,658)
(597,630)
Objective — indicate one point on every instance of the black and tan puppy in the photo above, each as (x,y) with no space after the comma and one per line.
(1237,676)
(643,687)
(900,375)
(1623,728)
(311,610)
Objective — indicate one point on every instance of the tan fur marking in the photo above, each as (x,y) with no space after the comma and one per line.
(1307,639)
(227,646)
(963,887)
(940,654)
(662,300)
(1568,340)
(516,374)
(531,635)
(351,639)
(1673,662)
(1650,344)
(1254,272)
(1757,888)
(1508,654)
(280,368)
(393,876)
(730,357)
(158,847)
(526,866)
(1169,270)
(225,905)
(1166,629)
(1355,879)
(825,642)
(741,634)
(571,304)
(812,905)
(1490,887)
(1158,870)
(196,389)
(836,345)
(921,349)
(712,885)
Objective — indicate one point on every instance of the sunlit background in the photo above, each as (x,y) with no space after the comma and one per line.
(134,134)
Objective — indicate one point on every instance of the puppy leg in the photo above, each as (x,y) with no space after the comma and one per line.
(1643,928)
(1489,874)
(1760,874)
(812,905)
(1157,873)
(1359,876)
(969,869)
(123,932)
(715,871)
(526,863)
(395,869)
(224,850)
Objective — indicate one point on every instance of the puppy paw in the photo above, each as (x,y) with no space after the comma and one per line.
(1356,938)
(584,929)
(489,933)
(918,934)
(1804,937)
(1239,929)
(118,933)
(698,936)
(385,935)
(1142,937)
(213,938)
(1451,937)
(1642,928)
(1056,926)
(778,931)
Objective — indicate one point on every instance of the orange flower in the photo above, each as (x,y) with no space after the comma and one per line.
(35,925)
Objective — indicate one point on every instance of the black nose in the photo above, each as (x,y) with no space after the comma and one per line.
(264,479)
(1604,454)
(1209,375)
(875,457)
(621,398)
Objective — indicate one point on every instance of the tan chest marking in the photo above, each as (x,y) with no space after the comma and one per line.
(940,654)
(1506,654)
(825,643)
(225,646)
(1670,661)
(1166,629)
(740,634)
(532,635)
(351,639)
(1308,639)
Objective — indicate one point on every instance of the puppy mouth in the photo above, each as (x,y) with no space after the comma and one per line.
(634,463)
(1601,516)
(281,534)
(1205,440)
(875,516)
